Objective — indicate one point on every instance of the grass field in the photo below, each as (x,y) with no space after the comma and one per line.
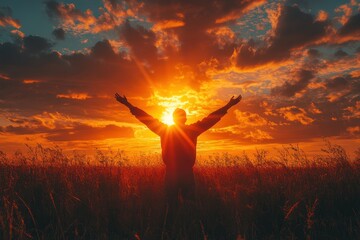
(45,194)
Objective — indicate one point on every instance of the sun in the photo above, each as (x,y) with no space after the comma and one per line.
(167,117)
(169,104)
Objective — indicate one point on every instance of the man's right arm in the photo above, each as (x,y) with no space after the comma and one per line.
(152,123)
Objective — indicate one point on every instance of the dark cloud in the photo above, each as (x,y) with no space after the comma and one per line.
(141,41)
(294,29)
(77,131)
(103,50)
(351,27)
(6,18)
(36,44)
(21,130)
(52,8)
(332,118)
(300,3)
(9,54)
(195,20)
(197,12)
(59,33)
(338,83)
(195,45)
(340,54)
(313,53)
(38,75)
(289,89)
(55,9)
(86,132)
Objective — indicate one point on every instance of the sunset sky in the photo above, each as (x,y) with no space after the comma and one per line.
(296,64)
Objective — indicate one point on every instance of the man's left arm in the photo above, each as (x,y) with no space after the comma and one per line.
(214,117)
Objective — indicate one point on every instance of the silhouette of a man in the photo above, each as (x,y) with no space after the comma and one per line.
(178,144)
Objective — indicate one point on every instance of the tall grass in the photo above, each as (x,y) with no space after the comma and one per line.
(46,194)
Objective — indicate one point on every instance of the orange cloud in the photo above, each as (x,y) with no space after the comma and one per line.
(273,15)
(258,135)
(313,109)
(4,76)
(353,130)
(322,16)
(293,113)
(347,12)
(18,33)
(6,18)
(79,21)
(30,81)
(78,96)
(166,24)
(236,13)
(248,119)
(353,112)
(222,35)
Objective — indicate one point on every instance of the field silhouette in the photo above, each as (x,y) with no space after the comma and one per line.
(45,194)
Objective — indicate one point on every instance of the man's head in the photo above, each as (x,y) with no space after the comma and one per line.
(179,116)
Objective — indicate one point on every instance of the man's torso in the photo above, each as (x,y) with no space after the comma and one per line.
(179,148)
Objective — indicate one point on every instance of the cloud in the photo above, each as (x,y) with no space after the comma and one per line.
(103,50)
(313,109)
(352,112)
(351,27)
(121,8)
(248,119)
(36,44)
(258,135)
(85,132)
(73,19)
(69,14)
(346,9)
(313,53)
(99,74)
(337,83)
(59,33)
(194,32)
(17,34)
(340,53)
(354,130)
(141,42)
(79,96)
(244,136)
(322,16)
(294,29)
(211,12)
(297,114)
(55,126)
(75,132)
(6,18)
(289,89)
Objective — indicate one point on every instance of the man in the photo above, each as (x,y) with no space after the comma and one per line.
(178,144)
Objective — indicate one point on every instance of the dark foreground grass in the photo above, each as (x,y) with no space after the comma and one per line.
(233,202)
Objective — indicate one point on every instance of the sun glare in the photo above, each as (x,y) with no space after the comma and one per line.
(167,117)
(169,104)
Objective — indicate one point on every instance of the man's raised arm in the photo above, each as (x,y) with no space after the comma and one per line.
(214,117)
(152,123)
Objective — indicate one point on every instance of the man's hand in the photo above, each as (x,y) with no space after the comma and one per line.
(233,101)
(122,100)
